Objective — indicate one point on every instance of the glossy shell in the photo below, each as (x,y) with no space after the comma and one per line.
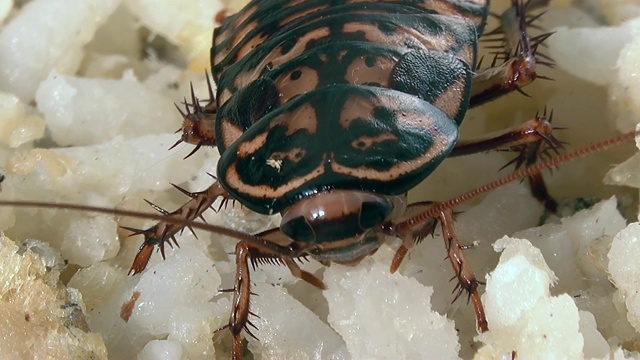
(318,95)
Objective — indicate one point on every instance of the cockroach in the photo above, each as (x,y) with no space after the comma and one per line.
(335,151)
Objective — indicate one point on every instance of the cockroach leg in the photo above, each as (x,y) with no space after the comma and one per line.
(533,141)
(302,274)
(275,236)
(518,69)
(198,125)
(403,250)
(239,318)
(507,33)
(413,228)
(411,233)
(164,231)
(220,17)
(464,273)
(534,131)
(540,192)
(198,128)
(531,153)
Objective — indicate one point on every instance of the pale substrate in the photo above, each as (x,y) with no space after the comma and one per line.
(103,83)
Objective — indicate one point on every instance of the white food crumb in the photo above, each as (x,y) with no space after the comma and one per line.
(36,41)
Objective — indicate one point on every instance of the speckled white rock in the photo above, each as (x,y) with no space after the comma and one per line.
(36,41)
(5,9)
(70,102)
(288,330)
(188,27)
(384,315)
(522,315)
(625,91)
(16,125)
(625,270)
(161,350)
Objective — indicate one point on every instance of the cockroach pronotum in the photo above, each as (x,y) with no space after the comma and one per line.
(322,113)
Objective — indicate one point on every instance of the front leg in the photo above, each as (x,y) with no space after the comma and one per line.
(245,253)
(467,281)
(239,318)
(198,128)
(164,231)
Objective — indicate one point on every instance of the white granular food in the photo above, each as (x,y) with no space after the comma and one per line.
(87,93)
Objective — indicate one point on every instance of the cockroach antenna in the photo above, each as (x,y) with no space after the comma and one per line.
(519,175)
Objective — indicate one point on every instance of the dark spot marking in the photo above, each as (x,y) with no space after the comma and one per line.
(295,75)
(27,317)
(287,45)
(387,27)
(370,61)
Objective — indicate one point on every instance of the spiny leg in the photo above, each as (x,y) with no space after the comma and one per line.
(533,141)
(275,236)
(464,273)
(411,233)
(532,153)
(163,231)
(518,69)
(239,318)
(534,131)
(198,128)
(507,33)
(198,125)
(412,230)
(539,191)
